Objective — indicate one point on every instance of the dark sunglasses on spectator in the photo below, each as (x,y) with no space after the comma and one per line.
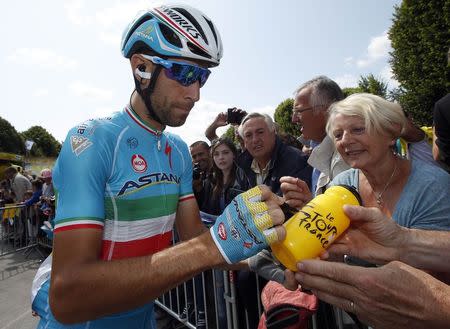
(184,73)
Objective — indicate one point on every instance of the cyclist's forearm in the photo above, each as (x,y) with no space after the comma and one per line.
(101,288)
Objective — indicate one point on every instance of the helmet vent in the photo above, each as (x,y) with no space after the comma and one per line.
(196,50)
(135,27)
(194,22)
(170,36)
(211,26)
(141,47)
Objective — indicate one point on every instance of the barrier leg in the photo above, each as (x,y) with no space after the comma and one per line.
(234,312)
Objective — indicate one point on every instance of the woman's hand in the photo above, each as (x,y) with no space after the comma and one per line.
(295,191)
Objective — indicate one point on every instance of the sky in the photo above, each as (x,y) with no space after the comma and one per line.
(61,62)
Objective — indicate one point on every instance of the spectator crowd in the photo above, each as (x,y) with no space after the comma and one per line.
(362,141)
(31,196)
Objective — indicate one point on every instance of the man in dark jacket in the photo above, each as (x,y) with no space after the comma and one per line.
(264,161)
(267,158)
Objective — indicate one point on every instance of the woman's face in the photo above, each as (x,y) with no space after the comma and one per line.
(223,157)
(358,148)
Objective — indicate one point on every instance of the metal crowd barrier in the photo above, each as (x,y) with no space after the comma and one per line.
(200,303)
(20,231)
(207,299)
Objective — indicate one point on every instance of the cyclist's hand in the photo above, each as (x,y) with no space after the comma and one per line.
(249,224)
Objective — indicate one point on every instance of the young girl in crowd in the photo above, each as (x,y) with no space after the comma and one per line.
(218,191)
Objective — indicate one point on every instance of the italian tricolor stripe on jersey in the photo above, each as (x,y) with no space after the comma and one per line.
(134,209)
(141,123)
(123,239)
(118,250)
(123,231)
(186,197)
(77,223)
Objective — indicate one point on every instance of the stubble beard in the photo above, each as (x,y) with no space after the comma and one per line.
(165,114)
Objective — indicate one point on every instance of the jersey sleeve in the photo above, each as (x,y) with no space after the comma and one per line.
(80,177)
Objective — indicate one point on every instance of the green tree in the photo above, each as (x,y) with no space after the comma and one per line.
(229,133)
(10,139)
(351,90)
(283,117)
(45,143)
(371,84)
(395,94)
(420,37)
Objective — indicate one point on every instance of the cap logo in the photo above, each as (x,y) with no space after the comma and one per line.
(138,163)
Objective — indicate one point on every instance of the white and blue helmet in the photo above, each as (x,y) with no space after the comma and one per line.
(174,31)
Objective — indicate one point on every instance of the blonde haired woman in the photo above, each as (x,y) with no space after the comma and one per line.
(364,128)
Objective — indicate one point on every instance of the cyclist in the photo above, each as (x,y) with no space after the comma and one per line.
(123,182)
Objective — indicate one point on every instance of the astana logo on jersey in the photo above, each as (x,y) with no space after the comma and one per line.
(148,180)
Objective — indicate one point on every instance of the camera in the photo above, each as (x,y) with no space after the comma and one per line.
(196,171)
(235,115)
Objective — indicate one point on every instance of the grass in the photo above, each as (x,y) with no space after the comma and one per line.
(36,164)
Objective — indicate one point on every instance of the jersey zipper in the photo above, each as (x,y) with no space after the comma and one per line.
(158,139)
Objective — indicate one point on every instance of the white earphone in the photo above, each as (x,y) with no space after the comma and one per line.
(142,74)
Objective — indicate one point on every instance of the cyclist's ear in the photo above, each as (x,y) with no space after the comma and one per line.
(140,72)
(139,68)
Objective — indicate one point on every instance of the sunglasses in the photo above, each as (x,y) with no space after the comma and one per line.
(183,73)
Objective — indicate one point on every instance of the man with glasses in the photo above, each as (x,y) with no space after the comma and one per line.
(311,102)
(122,184)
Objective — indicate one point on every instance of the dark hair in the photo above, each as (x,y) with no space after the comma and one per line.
(11,170)
(198,143)
(37,183)
(218,184)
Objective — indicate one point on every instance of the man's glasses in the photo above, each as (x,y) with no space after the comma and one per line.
(297,112)
(183,73)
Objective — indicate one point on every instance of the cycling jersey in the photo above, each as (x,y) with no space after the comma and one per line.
(119,175)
